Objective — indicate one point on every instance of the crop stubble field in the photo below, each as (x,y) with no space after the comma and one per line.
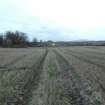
(52,76)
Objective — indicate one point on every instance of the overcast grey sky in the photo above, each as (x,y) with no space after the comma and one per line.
(55,19)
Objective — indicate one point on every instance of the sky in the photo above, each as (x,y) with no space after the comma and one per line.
(56,20)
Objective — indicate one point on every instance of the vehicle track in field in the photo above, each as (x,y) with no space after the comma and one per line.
(25,92)
(79,93)
(73,87)
(96,79)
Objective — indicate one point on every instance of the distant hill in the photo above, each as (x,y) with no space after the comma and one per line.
(80,43)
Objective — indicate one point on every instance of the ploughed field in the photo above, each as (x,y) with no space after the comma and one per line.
(52,76)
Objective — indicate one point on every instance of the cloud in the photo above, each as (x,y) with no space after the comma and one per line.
(54,19)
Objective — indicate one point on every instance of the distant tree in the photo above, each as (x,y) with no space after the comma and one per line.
(1,40)
(9,37)
(22,37)
(15,38)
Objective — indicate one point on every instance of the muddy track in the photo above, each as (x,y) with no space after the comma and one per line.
(25,92)
(72,88)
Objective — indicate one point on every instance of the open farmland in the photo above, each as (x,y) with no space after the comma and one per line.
(52,76)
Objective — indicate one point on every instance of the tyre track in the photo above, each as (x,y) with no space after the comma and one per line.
(25,92)
(79,92)
(72,88)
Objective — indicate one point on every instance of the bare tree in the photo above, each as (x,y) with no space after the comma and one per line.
(1,40)
(15,38)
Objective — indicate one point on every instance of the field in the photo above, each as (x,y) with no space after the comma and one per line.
(52,76)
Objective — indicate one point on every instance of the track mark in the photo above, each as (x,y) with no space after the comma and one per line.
(25,92)
(72,90)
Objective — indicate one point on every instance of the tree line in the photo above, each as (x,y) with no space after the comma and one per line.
(15,39)
(20,39)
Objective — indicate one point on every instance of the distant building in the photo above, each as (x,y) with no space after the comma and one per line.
(50,43)
(53,44)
